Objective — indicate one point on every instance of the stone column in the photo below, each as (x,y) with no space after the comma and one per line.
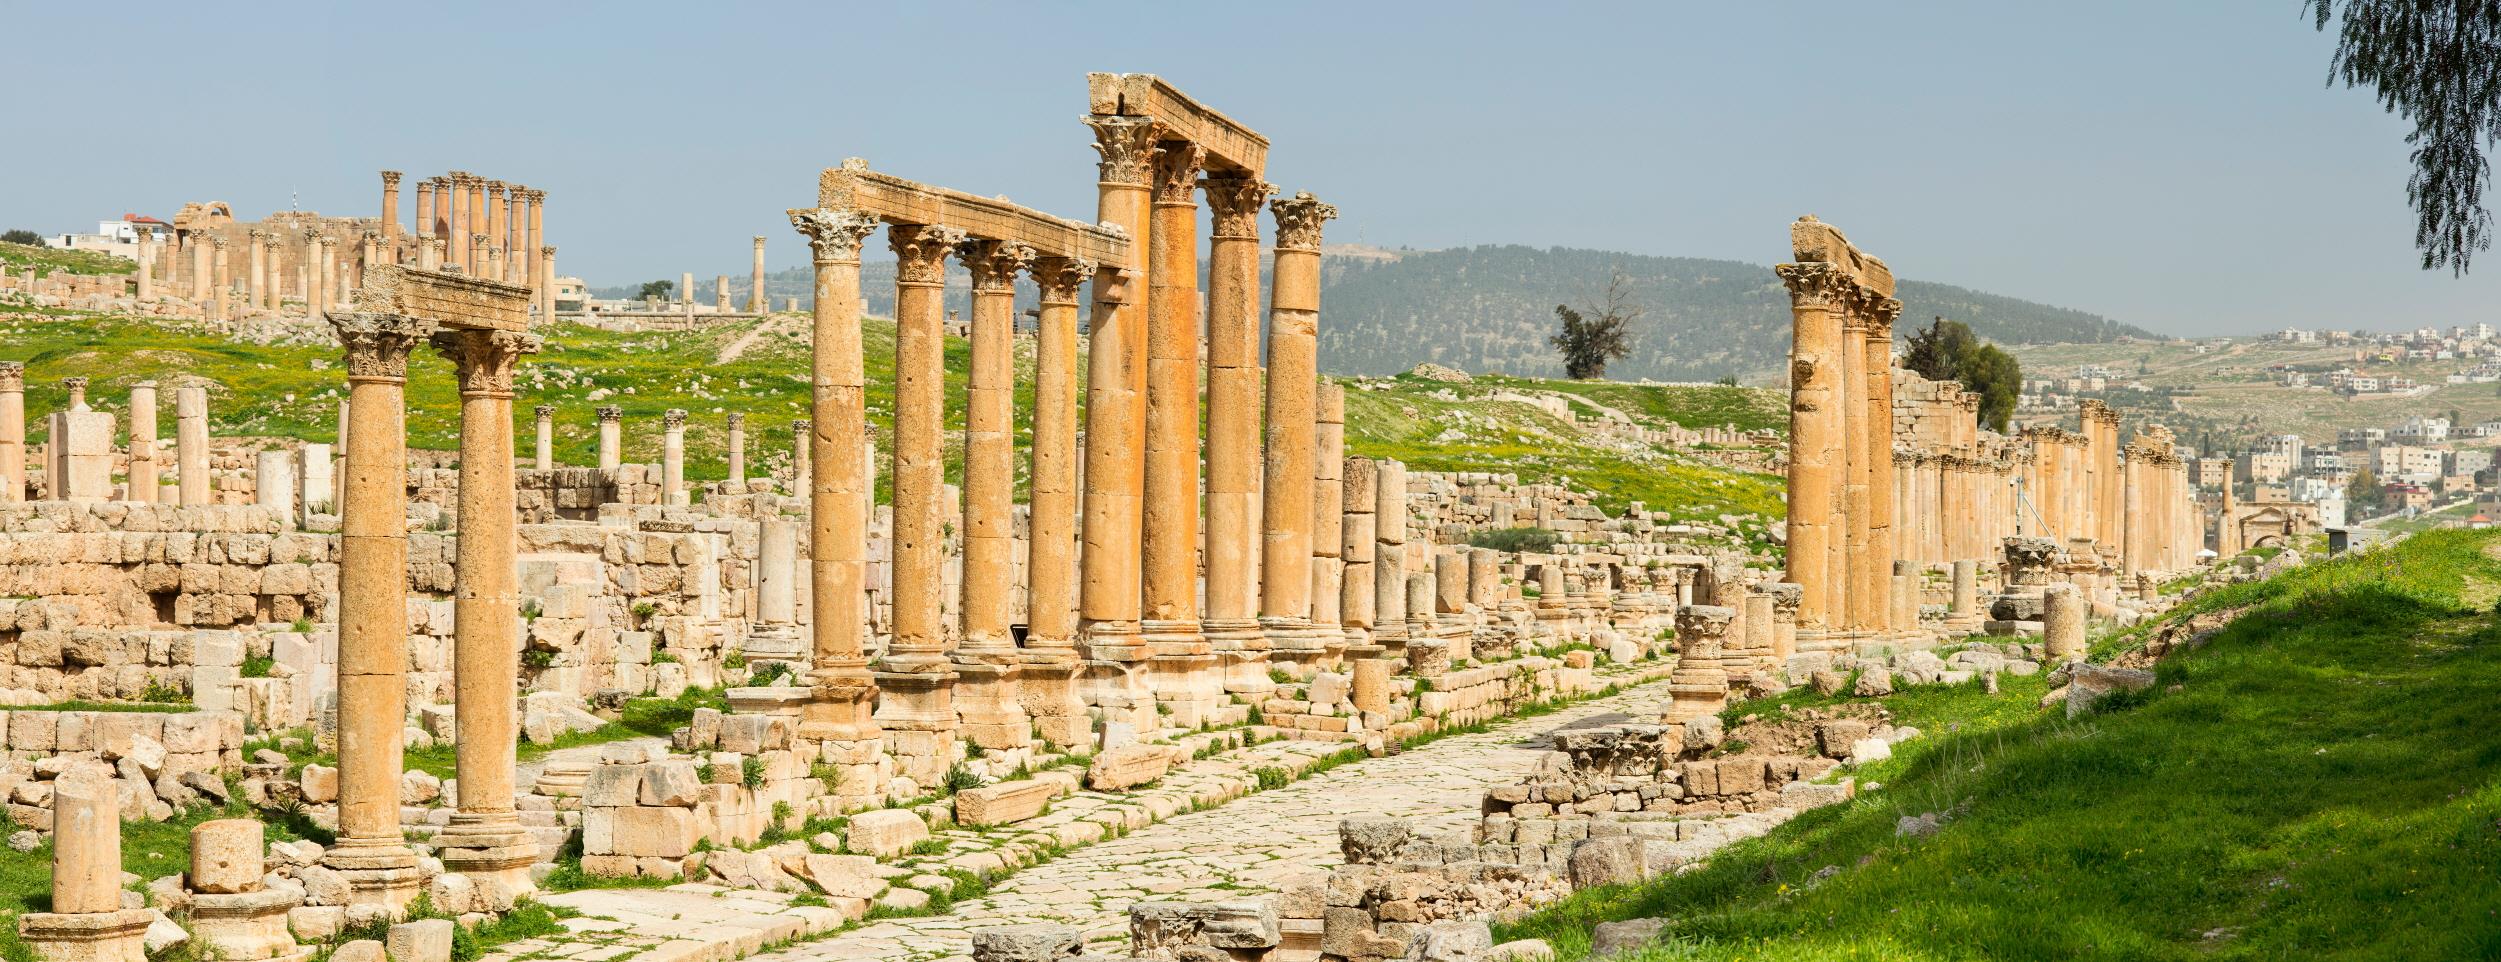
(147,266)
(485,836)
(1389,556)
(1964,613)
(256,270)
(430,253)
(1814,397)
(516,239)
(273,482)
(546,436)
(373,619)
(425,211)
(673,458)
(316,286)
(542,267)
(915,706)
(1233,540)
(686,287)
(86,845)
(1882,539)
(1785,597)
(13,431)
(546,280)
(1293,464)
(390,210)
(481,213)
(201,268)
(1328,520)
(720,293)
(1359,547)
(1761,632)
(143,485)
(755,280)
(1698,687)
(986,699)
(224,290)
(191,444)
(459,226)
(737,452)
(1047,686)
(611,436)
(803,464)
(1170,539)
(829,467)
(2062,622)
(1110,597)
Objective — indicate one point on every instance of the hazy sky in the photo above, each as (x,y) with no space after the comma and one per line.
(2181,166)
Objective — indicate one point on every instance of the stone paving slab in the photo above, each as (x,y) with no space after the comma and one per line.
(1255,843)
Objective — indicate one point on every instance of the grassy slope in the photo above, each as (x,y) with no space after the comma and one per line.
(48,261)
(293,389)
(2324,784)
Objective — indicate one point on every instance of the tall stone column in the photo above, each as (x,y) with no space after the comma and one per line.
(673,457)
(143,470)
(755,280)
(1815,376)
(256,271)
(1110,586)
(1328,521)
(546,280)
(223,298)
(13,432)
(459,226)
(373,598)
(516,239)
(480,214)
(1182,661)
(985,664)
(485,836)
(1047,684)
(914,679)
(191,444)
(390,211)
(737,452)
(546,436)
(831,468)
(316,286)
(1292,467)
(1231,622)
(720,293)
(686,287)
(147,266)
(1389,555)
(542,267)
(1359,546)
(611,436)
(1861,577)
(1882,537)
(201,268)
(425,211)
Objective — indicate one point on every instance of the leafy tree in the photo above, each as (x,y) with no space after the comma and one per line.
(22,236)
(2436,63)
(1948,351)
(1937,351)
(1587,343)
(2363,495)
(658,289)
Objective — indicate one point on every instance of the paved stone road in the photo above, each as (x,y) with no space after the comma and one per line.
(1253,844)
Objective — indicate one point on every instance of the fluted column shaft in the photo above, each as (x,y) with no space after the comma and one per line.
(1115,364)
(1233,455)
(1882,543)
(989,448)
(1171,533)
(831,470)
(1293,466)
(1815,382)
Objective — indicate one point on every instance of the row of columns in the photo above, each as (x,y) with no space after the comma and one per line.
(1841,494)
(143,485)
(490,228)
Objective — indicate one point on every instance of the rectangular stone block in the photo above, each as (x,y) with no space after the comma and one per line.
(1004,803)
(662,832)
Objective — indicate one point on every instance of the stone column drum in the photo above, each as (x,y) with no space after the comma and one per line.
(1389,556)
(87,922)
(546,448)
(1110,600)
(191,444)
(1047,685)
(1359,548)
(673,458)
(1287,543)
(985,696)
(485,837)
(373,592)
(1181,667)
(13,431)
(611,436)
(737,452)
(1233,543)
(914,680)
(1328,526)
(829,468)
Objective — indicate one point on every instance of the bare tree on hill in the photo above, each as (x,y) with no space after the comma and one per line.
(1589,340)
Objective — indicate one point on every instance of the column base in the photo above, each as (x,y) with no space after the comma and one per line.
(489,847)
(839,710)
(247,927)
(1047,688)
(987,709)
(1242,648)
(776,642)
(915,710)
(87,936)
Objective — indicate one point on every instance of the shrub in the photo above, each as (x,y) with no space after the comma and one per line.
(1531,539)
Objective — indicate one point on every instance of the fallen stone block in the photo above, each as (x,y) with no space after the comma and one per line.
(1004,803)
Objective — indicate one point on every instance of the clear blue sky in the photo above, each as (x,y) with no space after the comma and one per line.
(2176,165)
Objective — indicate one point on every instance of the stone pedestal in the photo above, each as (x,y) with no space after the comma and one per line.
(1699,687)
(115,936)
(2062,622)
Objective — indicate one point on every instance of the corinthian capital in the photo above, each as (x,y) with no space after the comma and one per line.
(484,360)
(995,263)
(609,413)
(835,235)
(1235,201)
(12,375)
(1177,164)
(1059,277)
(1881,313)
(1126,146)
(378,344)
(312,237)
(495,188)
(673,419)
(1813,284)
(1299,219)
(390,178)
(920,252)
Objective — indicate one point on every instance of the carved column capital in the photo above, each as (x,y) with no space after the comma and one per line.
(1235,203)
(1299,219)
(378,344)
(1126,148)
(673,419)
(547,251)
(994,264)
(545,412)
(1177,164)
(1059,277)
(1881,312)
(73,384)
(1814,285)
(835,235)
(484,359)
(12,376)
(495,188)
(609,413)
(390,178)
(921,250)
(312,237)
(737,421)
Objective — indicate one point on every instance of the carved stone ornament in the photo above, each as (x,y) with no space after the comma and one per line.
(1177,165)
(994,264)
(1235,202)
(835,235)
(921,251)
(484,359)
(378,344)
(1126,148)
(1059,277)
(1299,219)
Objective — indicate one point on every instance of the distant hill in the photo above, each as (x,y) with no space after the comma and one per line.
(1492,308)
(1489,309)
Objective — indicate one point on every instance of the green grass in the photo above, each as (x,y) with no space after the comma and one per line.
(2324,784)
(49,261)
(150,850)
(123,706)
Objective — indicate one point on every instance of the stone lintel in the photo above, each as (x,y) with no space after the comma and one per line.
(853,186)
(451,300)
(1816,242)
(1230,146)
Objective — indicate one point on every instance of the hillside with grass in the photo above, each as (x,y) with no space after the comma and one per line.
(2319,780)
(292,386)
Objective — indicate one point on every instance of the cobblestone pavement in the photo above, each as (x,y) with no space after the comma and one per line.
(1251,845)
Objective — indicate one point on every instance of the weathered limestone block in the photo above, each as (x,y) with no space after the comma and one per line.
(1004,803)
(885,832)
(1372,841)
(1128,766)
(425,940)
(1027,943)
(226,856)
(1164,930)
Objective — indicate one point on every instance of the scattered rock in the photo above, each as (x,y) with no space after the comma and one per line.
(1874,683)
(1610,938)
